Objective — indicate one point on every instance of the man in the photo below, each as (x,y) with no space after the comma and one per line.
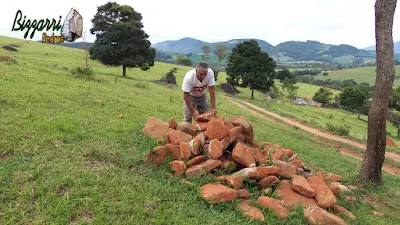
(194,86)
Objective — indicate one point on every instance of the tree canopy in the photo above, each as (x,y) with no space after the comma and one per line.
(249,67)
(120,38)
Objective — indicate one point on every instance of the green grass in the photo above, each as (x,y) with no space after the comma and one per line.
(361,74)
(68,158)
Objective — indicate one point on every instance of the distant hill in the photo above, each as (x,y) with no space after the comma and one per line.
(289,51)
(78,44)
(396,47)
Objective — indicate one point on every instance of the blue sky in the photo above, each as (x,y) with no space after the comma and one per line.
(328,21)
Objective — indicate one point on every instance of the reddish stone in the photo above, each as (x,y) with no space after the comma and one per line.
(204,117)
(225,142)
(157,155)
(220,119)
(259,156)
(335,189)
(187,127)
(287,152)
(291,198)
(155,128)
(234,133)
(174,149)
(202,126)
(298,163)
(195,145)
(235,182)
(252,212)
(275,205)
(276,153)
(285,169)
(247,132)
(256,145)
(317,215)
(323,193)
(228,165)
(243,155)
(261,172)
(243,193)
(196,160)
(334,177)
(216,130)
(184,150)
(215,149)
(301,185)
(217,193)
(177,136)
(337,209)
(228,124)
(172,123)
(178,167)
(267,181)
(203,167)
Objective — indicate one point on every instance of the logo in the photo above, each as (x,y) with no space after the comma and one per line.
(71,29)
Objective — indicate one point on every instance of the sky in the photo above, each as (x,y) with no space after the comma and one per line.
(275,21)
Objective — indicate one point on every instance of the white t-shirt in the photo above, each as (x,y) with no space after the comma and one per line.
(192,84)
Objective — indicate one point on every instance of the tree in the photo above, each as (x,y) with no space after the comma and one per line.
(371,168)
(220,50)
(120,39)
(182,60)
(206,52)
(323,96)
(288,81)
(394,100)
(285,74)
(249,67)
(353,98)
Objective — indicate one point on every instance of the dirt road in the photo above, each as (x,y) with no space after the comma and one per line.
(240,103)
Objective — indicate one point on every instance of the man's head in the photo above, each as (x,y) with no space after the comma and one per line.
(201,70)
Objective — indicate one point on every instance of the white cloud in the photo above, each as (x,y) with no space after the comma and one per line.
(328,21)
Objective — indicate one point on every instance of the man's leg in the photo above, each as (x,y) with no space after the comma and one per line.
(187,115)
(202,104)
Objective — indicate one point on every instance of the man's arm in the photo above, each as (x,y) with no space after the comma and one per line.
(212,94)
(186,97)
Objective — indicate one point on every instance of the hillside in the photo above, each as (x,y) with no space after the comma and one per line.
(396,47)
(72,149)
(289,51)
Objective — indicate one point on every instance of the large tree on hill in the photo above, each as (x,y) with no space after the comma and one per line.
(220,50)
(371,169)
(120,38)
(206,52)
(249,67)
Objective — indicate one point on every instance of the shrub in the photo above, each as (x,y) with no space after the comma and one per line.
(82,73)
(340,130)
(170,77)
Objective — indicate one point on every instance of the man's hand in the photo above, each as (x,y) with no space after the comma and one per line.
(195,115)
(213,112)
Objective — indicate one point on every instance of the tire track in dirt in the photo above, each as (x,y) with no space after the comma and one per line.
(390,169)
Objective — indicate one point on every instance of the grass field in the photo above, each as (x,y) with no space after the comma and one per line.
(68,158)
(361,74)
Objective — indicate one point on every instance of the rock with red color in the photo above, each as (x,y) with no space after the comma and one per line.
(323,193)
(203,167)
(234,133)
(228,124)
(187,127)
(202,138)
(287,152)
(158,155)
(216,130)
(217,193)
(285,169)
(196,160)
(201,126)
(317,215)
(178,167)
(335,189)
(225,142)
(204,117)
(177,136)
(155,128)
(243,193)
(301,185)
(172,123)
(267,181)
(245,172)
(243,155)
(298,163)
(247,131)
(215,149)
(235,182)
(261,172)
(334,177)
(228,165)
(252,212)
(195,145)
(184,150)
(275,205)
(340,210)
(291,198)
(174,149)
(275,152)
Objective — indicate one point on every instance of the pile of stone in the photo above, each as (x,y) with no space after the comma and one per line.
(226,149)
